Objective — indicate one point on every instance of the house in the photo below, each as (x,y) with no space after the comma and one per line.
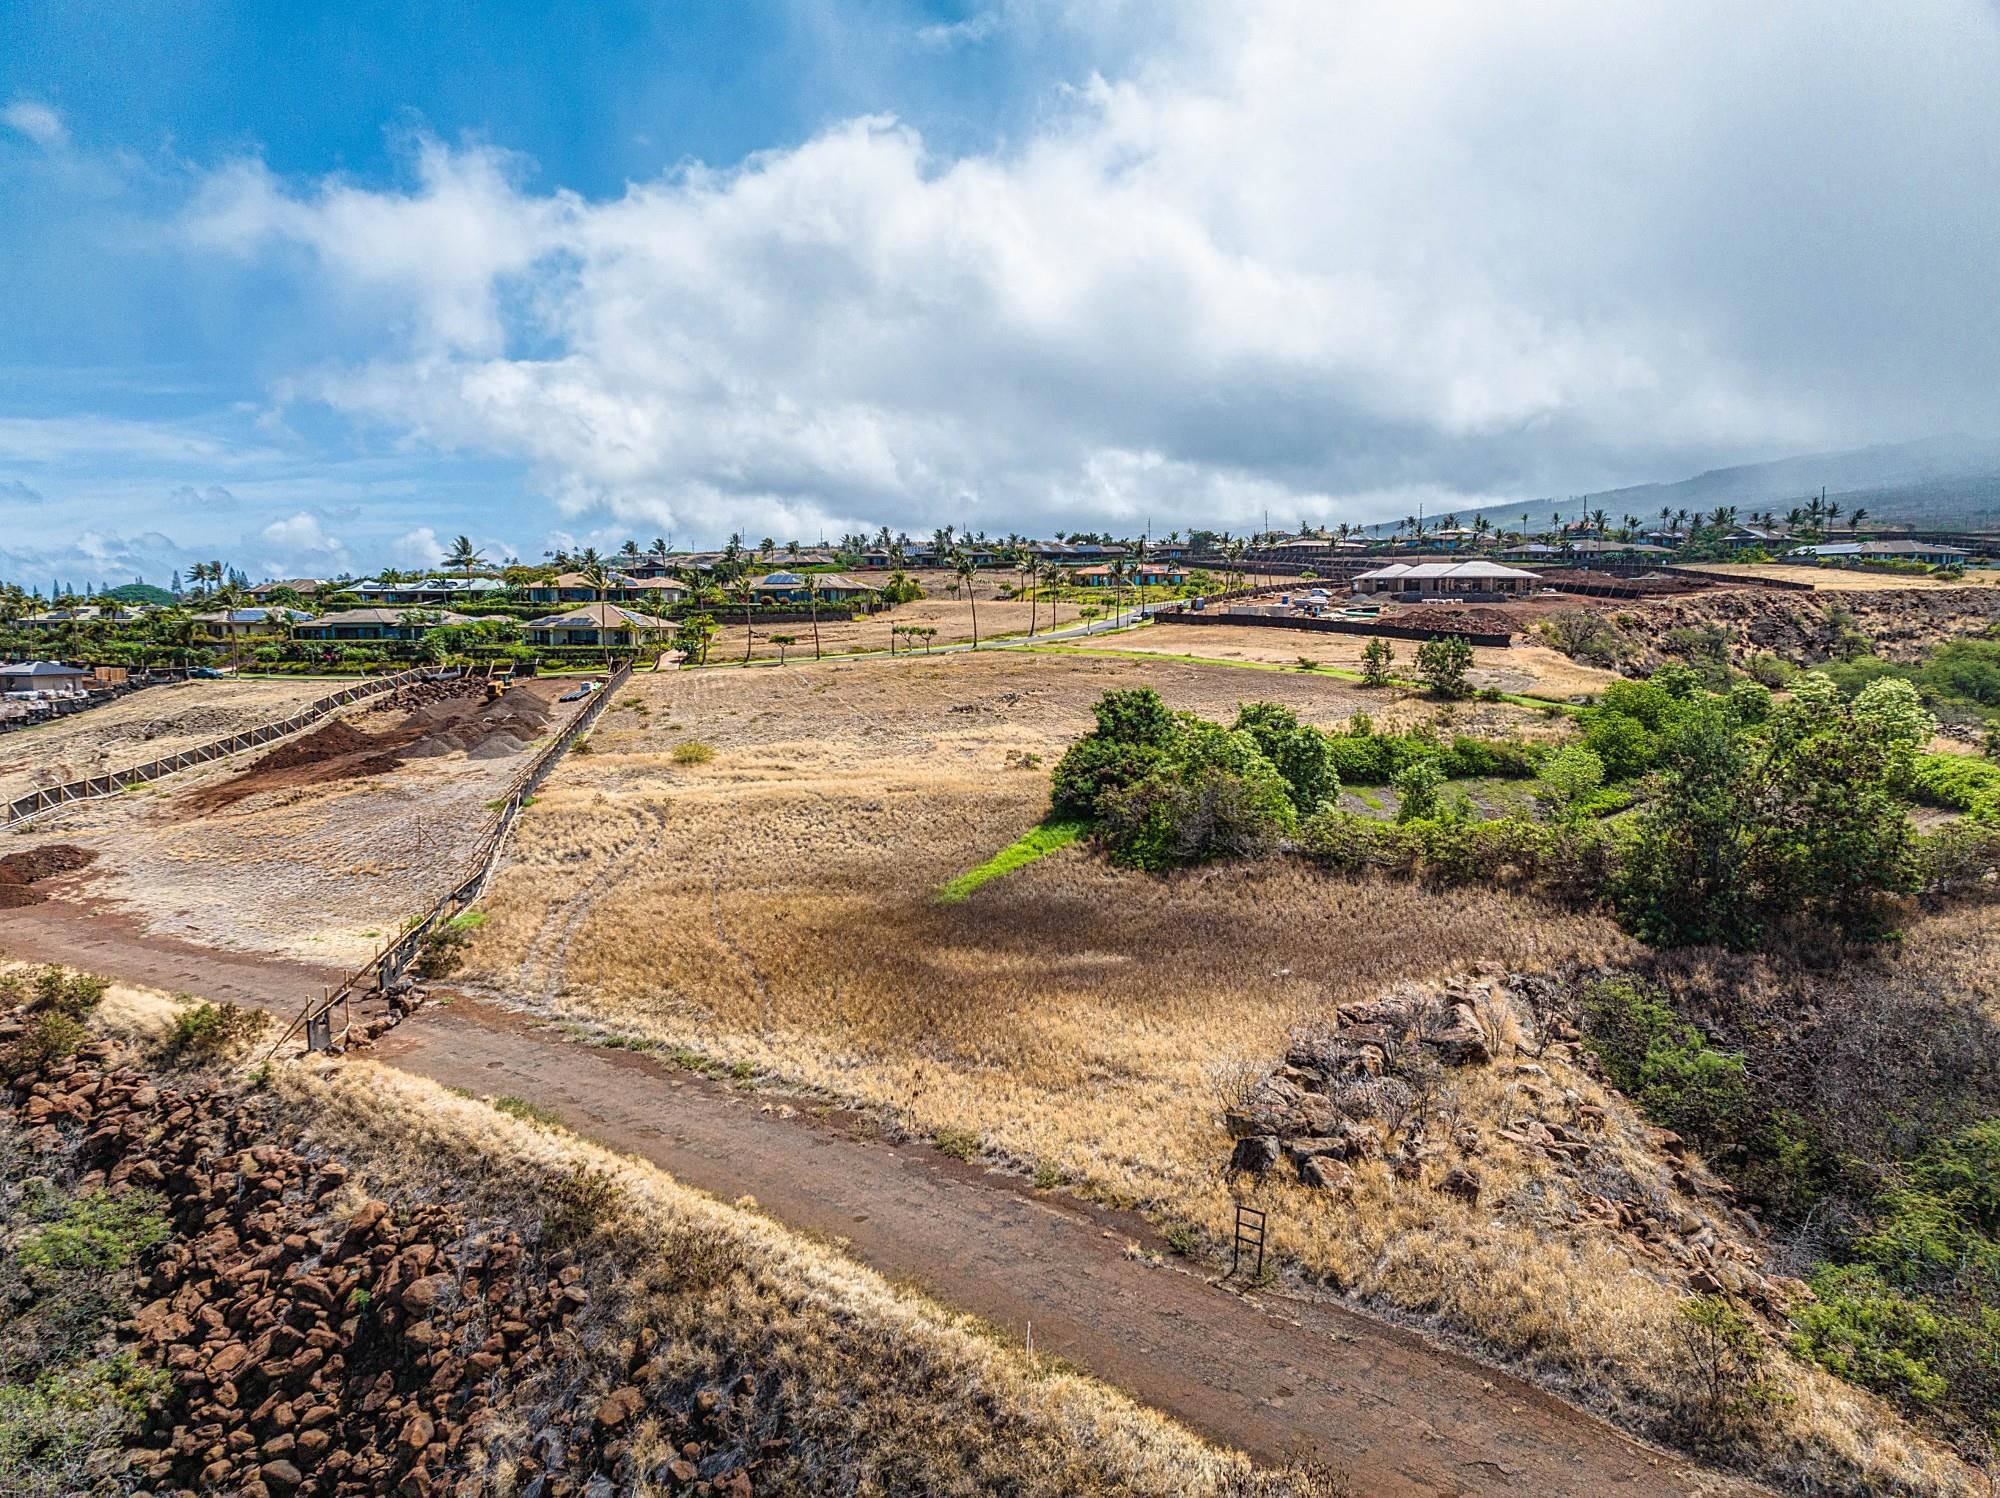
(792,587)
(1477,581)
(1755,538)
(619,587)
(601,624)
(83,613)
(247,624)
(42,679)
(428,590)
(375,624)
(1850,553)
(305,587)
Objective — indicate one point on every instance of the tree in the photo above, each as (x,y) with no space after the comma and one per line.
(783,642)
(692,637)
(595,578)
(464,555)
(1443,662)
(1417,785)
(968,574)
(1377,658)
(812,603)
(1297,751)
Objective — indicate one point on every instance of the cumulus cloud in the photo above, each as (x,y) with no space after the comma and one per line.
(38,122)
(417,548)
(300,542)
(16,492)
(1314,260)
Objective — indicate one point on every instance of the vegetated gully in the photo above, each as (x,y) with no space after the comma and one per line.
(1271,1376)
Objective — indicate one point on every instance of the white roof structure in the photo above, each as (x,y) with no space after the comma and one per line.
(1469,570)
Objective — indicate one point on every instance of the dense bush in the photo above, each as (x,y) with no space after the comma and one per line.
(1665,1064)
(1169,788)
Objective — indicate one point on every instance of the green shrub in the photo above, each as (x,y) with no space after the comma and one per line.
(73,994)
(1298,751)
(693,752)
(95,1234)
(1664,1064)
(1092,766)
(50,1036)
(213,1032)
(1443,663)
(1416,786)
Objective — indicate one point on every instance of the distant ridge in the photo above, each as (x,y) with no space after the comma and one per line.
(1949,483)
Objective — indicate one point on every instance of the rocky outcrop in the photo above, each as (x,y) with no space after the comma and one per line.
(1378,1089)
(1807,628)
(320,1342)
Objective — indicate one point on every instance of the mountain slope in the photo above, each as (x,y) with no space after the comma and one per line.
(1947,482)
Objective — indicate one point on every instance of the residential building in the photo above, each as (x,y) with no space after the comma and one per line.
(1851,552)
(791,587)
(598,624)
(1483,582)
(305,587)
(247,624)
(428,590)
(42,679)
(375,624)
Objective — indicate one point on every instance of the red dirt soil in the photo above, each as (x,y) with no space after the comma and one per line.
(20,872)
(437,718)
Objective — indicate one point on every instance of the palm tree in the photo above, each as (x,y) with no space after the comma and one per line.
(1052,574)
(1855,516)
(961,563)
(743,589)
(812,603)
(1024,565)
(1832,511)
(465,556)
(590,566)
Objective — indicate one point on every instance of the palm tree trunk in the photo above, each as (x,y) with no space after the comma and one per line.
(812,600)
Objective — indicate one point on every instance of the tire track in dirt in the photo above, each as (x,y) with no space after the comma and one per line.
(546,962)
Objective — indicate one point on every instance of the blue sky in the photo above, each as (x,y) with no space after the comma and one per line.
(310,287)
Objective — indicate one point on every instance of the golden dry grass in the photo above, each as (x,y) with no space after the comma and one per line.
(773,907)
(1514,668)
(1842,580)
(885,1391)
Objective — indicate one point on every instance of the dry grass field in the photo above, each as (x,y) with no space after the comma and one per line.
(1840,580)
(1515,668)
(311,864)
(939,609)
(146,725)
(772,907)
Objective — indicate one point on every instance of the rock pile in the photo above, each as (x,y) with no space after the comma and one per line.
(1370,1085)
(316,1348)
(1801,627)
(1378,1088)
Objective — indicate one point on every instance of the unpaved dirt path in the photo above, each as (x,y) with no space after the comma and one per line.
(1271,1376)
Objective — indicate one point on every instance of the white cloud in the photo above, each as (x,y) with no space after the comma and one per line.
(1316,259)
(417,548)
(300,543)
(38,122)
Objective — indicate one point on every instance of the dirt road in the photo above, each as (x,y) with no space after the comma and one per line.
(1271,1376)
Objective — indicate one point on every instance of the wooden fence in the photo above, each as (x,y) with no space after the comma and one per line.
(386,968)
(91,787)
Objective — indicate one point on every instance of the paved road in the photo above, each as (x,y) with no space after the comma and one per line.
(1401,1416)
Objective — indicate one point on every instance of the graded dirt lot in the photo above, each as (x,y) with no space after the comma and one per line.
(146,725)
(313,848)
(1513,668)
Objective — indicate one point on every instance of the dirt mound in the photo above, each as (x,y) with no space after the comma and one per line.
(19,872)
(334,741)
(1462,620)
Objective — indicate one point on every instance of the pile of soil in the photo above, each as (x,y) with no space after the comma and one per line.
(20,872)
(431,719)
(1466,619)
